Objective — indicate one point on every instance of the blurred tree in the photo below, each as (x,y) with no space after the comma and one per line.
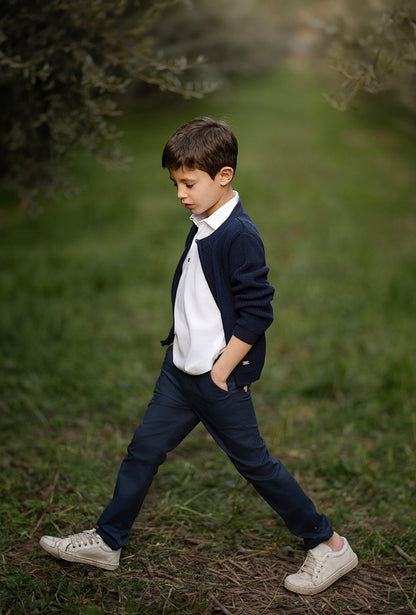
(64,64)
(235,38)
(373,45)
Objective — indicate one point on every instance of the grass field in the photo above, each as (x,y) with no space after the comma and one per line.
(85,299)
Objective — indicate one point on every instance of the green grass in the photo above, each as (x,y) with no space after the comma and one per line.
(85,300)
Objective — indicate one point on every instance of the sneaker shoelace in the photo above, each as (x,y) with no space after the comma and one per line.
(84,539)
(312,565)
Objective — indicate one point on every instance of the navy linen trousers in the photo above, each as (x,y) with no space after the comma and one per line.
(179,403)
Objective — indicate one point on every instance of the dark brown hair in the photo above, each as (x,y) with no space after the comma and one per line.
(203,144)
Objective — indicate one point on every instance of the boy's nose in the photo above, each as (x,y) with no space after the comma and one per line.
(181,192)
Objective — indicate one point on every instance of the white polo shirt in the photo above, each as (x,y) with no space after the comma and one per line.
(199,333)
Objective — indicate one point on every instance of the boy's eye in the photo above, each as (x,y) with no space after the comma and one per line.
(189,185)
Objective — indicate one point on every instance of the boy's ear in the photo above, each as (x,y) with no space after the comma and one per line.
(225,175)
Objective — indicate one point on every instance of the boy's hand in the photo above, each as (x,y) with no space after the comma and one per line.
(220,382)
(233,353)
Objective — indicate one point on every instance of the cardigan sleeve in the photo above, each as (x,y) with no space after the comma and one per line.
(251,289)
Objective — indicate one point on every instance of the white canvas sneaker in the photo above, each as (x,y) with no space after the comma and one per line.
(85,548)
(321,568)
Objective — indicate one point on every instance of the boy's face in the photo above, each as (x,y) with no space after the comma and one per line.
(199,193)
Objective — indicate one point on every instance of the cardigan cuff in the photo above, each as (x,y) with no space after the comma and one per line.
(249,337)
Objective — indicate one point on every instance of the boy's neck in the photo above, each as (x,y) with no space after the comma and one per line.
(227,196)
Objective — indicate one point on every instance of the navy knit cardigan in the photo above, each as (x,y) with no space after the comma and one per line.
(233,261)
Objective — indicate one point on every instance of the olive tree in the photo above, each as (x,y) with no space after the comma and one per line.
(63,64)
(373,49)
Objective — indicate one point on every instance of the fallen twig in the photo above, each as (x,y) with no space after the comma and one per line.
(148,566)
(46,509)
(237,565)
(410,604)
(218,604)
(308,604)
(224,576)
(404,554)
(327,602)
(273,598)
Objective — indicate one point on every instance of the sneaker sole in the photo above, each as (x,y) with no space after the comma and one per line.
(77,560)
(329,581)
(83,560)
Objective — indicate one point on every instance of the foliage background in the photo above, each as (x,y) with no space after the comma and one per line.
(66,63)
(373,48)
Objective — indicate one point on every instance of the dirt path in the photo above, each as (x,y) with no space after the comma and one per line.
(251,583)
(243,583)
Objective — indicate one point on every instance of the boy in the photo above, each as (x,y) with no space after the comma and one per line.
(221,301)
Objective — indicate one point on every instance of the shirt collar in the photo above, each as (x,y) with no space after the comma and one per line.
(218,217)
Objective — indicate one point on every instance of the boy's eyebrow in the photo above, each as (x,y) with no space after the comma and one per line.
(185,180)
